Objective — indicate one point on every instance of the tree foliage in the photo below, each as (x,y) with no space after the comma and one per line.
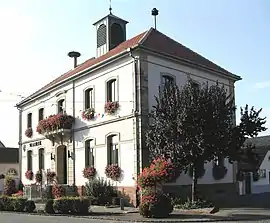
(197,124)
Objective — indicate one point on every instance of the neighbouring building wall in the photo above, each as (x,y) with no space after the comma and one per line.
(11,169)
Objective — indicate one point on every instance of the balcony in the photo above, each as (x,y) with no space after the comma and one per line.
(57,128)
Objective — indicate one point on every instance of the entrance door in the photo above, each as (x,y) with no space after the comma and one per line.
(62,164)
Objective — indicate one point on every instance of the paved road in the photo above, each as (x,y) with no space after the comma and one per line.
(23,218)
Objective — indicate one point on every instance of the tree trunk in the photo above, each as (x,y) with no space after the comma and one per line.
(194,185)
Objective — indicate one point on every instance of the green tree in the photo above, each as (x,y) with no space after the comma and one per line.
(193,125)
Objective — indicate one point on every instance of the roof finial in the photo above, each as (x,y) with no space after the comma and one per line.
(110,9)
(155,14)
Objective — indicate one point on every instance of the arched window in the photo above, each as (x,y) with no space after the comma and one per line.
(112,90)
(112,149)
(101,35)
(40,114)
(41,159)
(29,160)
(89,98)
(117,35)
(89,153)
(29,120)
(60,106)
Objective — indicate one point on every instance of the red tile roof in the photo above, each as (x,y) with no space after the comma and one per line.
(152,40)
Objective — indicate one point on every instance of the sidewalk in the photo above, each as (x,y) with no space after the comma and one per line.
(132,215)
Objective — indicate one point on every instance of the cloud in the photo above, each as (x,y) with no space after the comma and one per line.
(262,85)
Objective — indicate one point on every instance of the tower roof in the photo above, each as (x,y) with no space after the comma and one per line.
(111,16)
(153,41)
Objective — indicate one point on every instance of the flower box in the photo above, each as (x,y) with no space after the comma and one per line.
(89,172)
(29,175)
(29,132)
(113,171)
(55,122)
(111,107)
(88,114)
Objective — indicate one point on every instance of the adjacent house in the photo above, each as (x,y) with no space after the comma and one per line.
(109,97)
(9,164)
(257,178)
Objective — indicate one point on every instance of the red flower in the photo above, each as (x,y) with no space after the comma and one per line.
(111,107)
(50,176)
(89,172)
(88,114)
(29,174)
(113,171)
(29,132)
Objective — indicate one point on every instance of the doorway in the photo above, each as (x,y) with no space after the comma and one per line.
(61,164)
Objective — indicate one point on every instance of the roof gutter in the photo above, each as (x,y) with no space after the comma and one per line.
(233,76)
(77,76)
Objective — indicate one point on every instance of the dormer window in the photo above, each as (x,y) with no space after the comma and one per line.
(60,106)
(111,90)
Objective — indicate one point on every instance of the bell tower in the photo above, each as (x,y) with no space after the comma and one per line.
(111,31)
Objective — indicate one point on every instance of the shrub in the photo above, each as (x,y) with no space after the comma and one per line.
(38,176)
(89,172)
(113,171)
(30,206)
(50,176)
(18,194)
(199,203)
(49,207)
(29,175)
(20,186)
(58,191)
(75,205)
(6,203)
(10,186)
(18,203)
(100,191)
(155,205)
(219,171)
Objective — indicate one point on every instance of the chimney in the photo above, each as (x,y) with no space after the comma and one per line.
(75,55)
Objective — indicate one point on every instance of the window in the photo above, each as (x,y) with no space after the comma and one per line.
(112,149)
(111,90)
(40,114)
(101,35)
(41,159)
(89,98)
(167,79)
(29,120)
(195,85)
(29,160)
(89,153)
(60,106)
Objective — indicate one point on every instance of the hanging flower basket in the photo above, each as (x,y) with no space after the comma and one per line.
(113,171)
(219,171)
(89,172)
(111,107)
(88,114)
(29,132)
(55,122)
(29,175)
(38,176)
(50,176)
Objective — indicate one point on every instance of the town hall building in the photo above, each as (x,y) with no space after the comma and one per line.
(105,102)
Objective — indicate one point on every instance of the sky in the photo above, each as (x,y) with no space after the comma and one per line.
(36,36)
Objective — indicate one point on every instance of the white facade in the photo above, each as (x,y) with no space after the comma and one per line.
(121,124)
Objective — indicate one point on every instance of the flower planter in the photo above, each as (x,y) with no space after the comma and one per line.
(88,114)
(29,175)
(113,171)
(29,132)
(111,107)
(89,172)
